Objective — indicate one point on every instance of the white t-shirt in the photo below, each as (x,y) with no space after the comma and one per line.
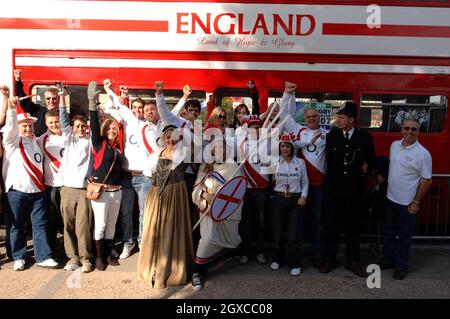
(291,176)
(408,165)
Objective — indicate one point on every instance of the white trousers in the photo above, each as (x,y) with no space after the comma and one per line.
(106,210)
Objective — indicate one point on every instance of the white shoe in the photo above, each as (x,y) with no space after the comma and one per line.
(275,266)
(71,266)
(19,265)
(260,258)
(296,271)
(87,267)
(196,282)
(243,260)
(126,252)
(48,263)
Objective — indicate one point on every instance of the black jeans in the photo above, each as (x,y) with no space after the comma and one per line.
(314,209)
(287,221)
(251,227)
(342,216)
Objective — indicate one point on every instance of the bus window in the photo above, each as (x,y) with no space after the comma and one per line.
(78,102)
(385,112)
(326,103)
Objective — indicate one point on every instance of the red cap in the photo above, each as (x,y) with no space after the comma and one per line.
(287,138)
(254,120)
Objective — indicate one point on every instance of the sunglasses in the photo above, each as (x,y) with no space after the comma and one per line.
(407,128)
(223,117)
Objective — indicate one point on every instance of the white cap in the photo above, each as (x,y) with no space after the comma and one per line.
(25,116)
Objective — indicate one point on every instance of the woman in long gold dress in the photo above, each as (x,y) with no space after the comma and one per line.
(166,250)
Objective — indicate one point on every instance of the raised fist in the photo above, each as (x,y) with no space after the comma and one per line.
(123,90)
(208,97)
(92,94)
(4,89)
(107,84)
(159,85)
(62,89)
(289,87)
(187,90)
(17,74)
(13,101)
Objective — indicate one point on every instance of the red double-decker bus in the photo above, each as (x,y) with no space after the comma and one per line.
(391,58)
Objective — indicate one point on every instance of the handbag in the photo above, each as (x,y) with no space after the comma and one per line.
(95,190)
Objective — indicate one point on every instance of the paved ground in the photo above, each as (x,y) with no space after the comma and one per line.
(430,278)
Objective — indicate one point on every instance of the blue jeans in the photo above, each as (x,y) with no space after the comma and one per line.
(132,185)
(21,205)
(397,221)
(141,185)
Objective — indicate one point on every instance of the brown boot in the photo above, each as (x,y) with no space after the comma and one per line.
(110,259)
(99,246)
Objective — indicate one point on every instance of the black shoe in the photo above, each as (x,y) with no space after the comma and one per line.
(400,275)
(326,267)
(316,262)
(357,269)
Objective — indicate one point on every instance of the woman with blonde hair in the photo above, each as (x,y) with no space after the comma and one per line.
(218,118)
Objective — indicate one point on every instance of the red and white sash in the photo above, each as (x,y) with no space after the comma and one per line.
(54,162)
(314,157)
(34,171)
(148,148)
(252,172)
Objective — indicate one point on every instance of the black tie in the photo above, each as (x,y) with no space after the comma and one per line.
(347,136)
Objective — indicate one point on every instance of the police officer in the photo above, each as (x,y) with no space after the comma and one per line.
(350,155)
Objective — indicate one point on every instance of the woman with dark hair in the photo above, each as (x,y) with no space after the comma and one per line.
(108,172)
(166,248)
(287,202)
(240,113)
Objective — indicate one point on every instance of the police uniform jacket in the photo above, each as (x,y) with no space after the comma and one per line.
(345,158)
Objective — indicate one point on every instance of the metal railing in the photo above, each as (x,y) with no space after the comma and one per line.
(433,219)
